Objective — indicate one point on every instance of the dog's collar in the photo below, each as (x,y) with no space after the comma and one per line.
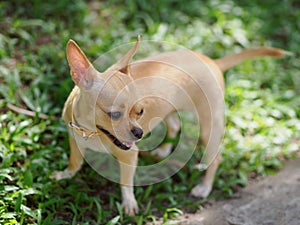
(82,131)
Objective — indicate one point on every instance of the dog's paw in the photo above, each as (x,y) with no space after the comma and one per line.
(201,191)
(59,175)
(130,207)
(162,151)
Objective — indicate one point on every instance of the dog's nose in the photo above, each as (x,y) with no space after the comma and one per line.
(137,132)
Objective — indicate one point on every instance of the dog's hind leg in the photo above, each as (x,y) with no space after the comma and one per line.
(204,189)
(211,134)
(173,126)
(75,162)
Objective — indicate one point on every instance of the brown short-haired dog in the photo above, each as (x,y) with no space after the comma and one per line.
(119,120)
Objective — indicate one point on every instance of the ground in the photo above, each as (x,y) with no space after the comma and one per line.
(273,200)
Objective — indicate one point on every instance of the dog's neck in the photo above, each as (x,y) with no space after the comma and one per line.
(81,130)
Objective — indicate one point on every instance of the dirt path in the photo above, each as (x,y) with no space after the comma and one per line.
(274,200)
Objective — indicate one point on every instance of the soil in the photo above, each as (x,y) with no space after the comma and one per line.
(273,200)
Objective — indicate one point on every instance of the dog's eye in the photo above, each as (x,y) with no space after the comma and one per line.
(140,112)
(114,115)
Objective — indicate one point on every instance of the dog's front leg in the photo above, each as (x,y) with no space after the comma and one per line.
(75,162)
(128,163)
(129,203)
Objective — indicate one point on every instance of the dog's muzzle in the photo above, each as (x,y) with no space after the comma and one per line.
(124,145)
(137,133)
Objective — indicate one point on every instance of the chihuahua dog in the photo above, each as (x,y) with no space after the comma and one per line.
(95,107)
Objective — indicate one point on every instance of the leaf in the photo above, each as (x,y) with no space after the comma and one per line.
(31,191)
(99,210)
(147,192)
(2,175)
(29,103)
(120,211)
(30,212)
(9,188)
(28,178)
(18,202)
(8,215)
(114,221)
(171,213)
(148,207)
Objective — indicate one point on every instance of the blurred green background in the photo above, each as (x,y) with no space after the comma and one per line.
(263,125)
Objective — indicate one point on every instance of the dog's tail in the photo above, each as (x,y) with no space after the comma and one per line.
(231,60)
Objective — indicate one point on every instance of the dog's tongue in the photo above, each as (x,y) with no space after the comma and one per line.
(128,144)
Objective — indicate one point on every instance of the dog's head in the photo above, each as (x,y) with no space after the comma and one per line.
(117,110)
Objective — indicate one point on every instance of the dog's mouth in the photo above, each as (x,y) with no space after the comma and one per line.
(121,144)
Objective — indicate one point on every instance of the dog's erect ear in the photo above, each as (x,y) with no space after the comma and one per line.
(79,64)
(122,64)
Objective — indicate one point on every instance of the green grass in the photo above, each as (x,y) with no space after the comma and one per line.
(262,96)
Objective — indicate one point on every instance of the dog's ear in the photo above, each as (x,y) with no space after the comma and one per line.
(80,66)
(123,63)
